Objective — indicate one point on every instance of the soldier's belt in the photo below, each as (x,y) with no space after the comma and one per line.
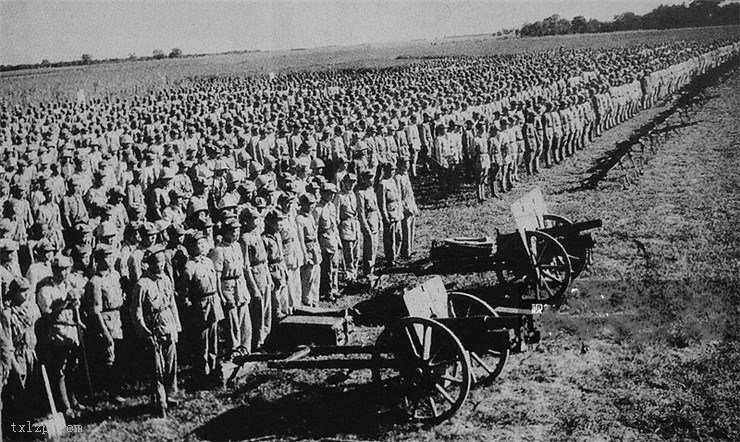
(229,278)
(204,296)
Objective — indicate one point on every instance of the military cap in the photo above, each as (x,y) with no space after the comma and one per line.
(19,285)
(317,163)
(83,227)
(329,187)
(227,202)
(260,202)
(248,186)
(153,251)
(116,190)
(149,228)
(6,225)
(126,139)
(249,214)
(62,262)
(350,177)
(8,245)
(106,229)
(197,205)
(232,223)
(166,173)
(45,245)
(306,199)
(104,250)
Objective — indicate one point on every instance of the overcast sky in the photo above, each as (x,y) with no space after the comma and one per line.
(64,30)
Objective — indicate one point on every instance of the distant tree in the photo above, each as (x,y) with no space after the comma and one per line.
(158,54)
(45,62)
(87,58)
(132,56)
(176,53)
(579,24)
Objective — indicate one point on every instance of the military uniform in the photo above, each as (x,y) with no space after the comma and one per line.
(276,265)
(349,231)
(155,313)
(201,292)
(259,284)
(326,221)
(391,211)
(410,211)
(228,260)
(102,304)
(58,339)
(369,220)
(311,268)
(293,258)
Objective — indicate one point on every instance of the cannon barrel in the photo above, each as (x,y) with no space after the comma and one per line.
(573,229)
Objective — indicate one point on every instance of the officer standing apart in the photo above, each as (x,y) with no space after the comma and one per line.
(391,211)
(326,219)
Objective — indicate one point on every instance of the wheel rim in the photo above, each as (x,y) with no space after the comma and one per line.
(551,267)
(486,365)
(432,370)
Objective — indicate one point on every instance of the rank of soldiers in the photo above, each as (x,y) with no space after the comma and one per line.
(208,212)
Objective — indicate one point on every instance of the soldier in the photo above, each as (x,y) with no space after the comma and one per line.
(9,267)
(58,336)
(257,276)
(41,269)
(19,318)
(349,227)
(102,303)
(73,210)
(292,252)
(410,210)
(6,357)
(369,220)
(228,260)
(326,220)
(497,160)
(309,241)
(481,160)
(201,297)
(276,265)
(391,212)
(157,320)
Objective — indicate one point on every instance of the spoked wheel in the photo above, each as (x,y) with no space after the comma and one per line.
(550,263)
(424,366)
(579,255)
(485,365)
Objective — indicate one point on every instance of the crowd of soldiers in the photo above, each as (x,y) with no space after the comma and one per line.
(217,208)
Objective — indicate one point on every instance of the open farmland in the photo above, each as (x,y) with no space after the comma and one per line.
(647,346)
(127,78)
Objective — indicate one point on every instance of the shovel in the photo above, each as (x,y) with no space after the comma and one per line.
(53,426)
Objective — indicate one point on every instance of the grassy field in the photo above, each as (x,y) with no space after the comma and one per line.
(645,349)
(128,78)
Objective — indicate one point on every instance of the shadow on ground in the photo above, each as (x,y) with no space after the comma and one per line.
(315,412)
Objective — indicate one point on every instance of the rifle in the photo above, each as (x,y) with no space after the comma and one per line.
(81,337)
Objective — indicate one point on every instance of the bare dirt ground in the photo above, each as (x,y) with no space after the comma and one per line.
(645,349)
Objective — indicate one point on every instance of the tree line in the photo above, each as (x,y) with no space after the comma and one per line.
(88,59)
(698,13)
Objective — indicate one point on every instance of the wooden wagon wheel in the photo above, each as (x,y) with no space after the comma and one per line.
(580,257)
(485,366)
(550,265)
(430,375)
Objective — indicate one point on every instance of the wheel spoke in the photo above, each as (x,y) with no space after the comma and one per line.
(480,362)
(433,405)
(411,341)
(444,393)
(426,343)
(452,379)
